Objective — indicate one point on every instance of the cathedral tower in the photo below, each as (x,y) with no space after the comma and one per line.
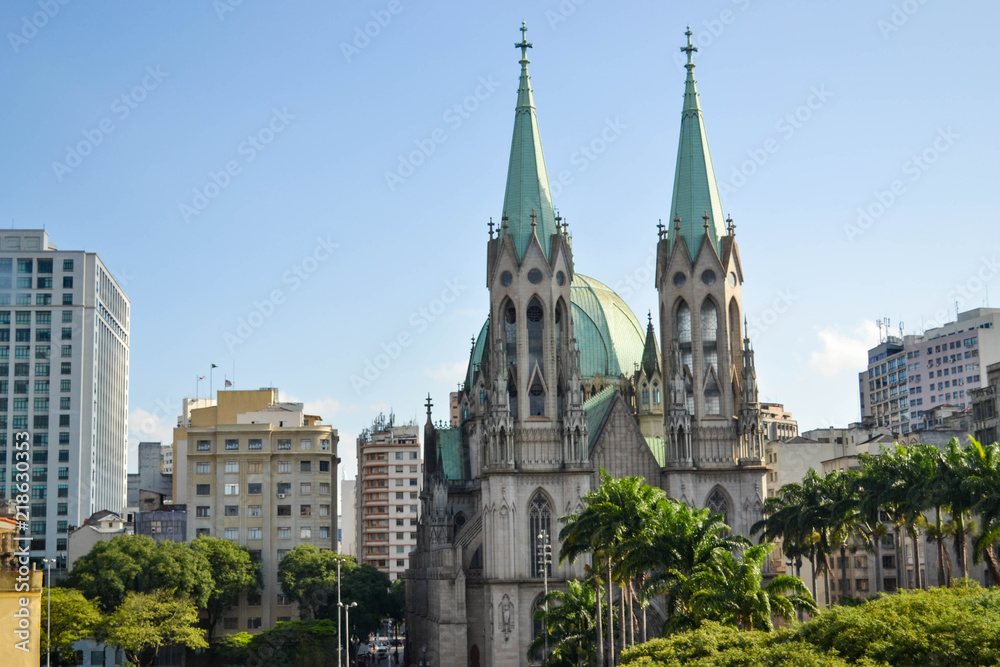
(709,420)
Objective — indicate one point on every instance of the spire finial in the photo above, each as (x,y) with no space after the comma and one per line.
(706,219)
(689,49)
(429,405)
(524,45)
(533,216)
(649,314)
(746,330)
(491,226)
(660,228)
(504,220)
(730,225)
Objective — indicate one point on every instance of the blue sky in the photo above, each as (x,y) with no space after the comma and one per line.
(275,188)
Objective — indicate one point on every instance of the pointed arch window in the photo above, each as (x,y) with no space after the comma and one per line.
(656,393)
(710,356)
(512,396)
(719,504)
(682,324)
(645,393)
(536,326)
(560,329)
(539,521)
(510,333)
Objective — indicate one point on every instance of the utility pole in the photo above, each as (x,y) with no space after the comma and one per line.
(340,644)
(544,562)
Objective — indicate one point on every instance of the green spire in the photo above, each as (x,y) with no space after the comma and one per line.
(650,355)
(696,193)
(527,202)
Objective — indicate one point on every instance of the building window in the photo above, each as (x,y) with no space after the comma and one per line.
(284,510)
(284,488)
(254,533)
(284,466)
(305,533)
(229,623)
(203,511)
(204,446)
(718,504)
(305,510)
(232,534)
(324,489)
(284,444)
(232,467)
(232,444)
(232,510)
(539,520)
(324,510)
(255,489)
(305,466)
(203,468)
(284,533)
(232,489)
(305,488)
(254,444)
(255,510)
(255,467)
(203,489)
(253,623)
(305,443)
(202,532)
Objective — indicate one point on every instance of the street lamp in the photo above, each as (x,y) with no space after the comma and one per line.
(347,626)
(544,562)
(340,647)
(48,614)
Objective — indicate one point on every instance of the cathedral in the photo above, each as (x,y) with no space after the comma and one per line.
(563,381)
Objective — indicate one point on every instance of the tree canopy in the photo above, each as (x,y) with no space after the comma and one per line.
(74,617)
(146,622)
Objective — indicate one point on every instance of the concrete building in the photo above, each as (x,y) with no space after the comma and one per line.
(389,485)
(162,522)
(20,601)
(885,399)
(349,518)
(261,473)
(150,477)
(102,526)
(777,424)
(985,407)
(453,409)
(64,368)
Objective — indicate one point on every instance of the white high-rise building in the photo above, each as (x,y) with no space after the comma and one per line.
(64,367)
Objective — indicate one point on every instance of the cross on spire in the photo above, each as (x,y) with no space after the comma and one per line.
(706,219)
(660,228)
(533,216)
(730,225)
(525,44)
(491,226)
(689,49)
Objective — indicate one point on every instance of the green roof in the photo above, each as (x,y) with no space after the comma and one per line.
(527,180)
(658,446)
(449,442)
(596,408)
(696,191)
(478,351)
(608,334)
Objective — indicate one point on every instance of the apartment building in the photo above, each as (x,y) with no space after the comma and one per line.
(776,423)
(262,473)
(64,365)
(388,484)
(884,387)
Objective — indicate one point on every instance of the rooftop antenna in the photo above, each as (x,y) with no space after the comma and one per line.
(879,323)
(956,310)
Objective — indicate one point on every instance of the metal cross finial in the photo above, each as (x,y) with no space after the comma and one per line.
(525,44)
(533,216)
(730,225)
(491,226)
(690,48)
(504,220)
(706,219)
(660,227)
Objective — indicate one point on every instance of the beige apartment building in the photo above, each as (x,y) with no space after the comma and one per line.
(263,474)
(388,488)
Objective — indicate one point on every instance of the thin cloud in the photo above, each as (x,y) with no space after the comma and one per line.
(843,352)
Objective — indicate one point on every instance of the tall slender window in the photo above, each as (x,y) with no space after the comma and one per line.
(510,333)
(718,504)
(539,519)
(683,326)
(536,363)
(710,356)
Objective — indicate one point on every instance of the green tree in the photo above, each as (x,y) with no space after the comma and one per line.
(982,486)
(233,572)
(730,592)
(310,643)
(74,617)
(135,563)
(371,589)
(146,622)
(569,627)
(783,523)
(309,576)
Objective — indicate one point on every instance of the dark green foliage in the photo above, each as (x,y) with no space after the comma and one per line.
(311,643)
(232,571)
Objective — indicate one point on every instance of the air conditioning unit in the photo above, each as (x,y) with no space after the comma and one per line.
(281,495)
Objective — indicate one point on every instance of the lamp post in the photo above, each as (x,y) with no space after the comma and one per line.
(48,614)
(544,561)
(347,626)
(340,646)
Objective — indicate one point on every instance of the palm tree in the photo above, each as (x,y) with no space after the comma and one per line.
(782,523)
(730,592)
(686,542)
(571,627)
(881,492)
(982,483)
